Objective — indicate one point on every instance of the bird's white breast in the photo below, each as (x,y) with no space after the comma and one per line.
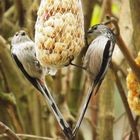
(94,55)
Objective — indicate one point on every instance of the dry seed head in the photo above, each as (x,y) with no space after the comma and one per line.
(134,89)
(59,31)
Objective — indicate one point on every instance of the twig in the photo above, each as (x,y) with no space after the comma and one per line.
(31,136)
(20,12)
(128,56)
(9,12)
(124,99)
(8,131)
(130,132)
(7,89)
(78,66)
(14,115)
(8,24)
(114,21)
(120,69)
(2,9)
(136,122)
(88,11)
(120,117)
(123,47)
(106,9)
(36,137)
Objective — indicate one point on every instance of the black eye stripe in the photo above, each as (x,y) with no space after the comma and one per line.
(23,33)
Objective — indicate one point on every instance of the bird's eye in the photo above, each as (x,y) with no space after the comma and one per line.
(16,34)
(23,33)
(95,28)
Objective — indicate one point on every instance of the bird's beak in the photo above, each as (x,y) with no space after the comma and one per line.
(90,31)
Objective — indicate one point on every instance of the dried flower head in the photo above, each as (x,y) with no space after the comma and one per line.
(134,89)
(59,32)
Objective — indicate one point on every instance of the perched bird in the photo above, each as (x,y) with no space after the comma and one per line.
(23,52)
(96,61)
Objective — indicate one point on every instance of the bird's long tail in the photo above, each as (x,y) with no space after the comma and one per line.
(63,124)
(83,110)
(45,91)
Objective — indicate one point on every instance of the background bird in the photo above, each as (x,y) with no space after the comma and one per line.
(23,52)
(96,61)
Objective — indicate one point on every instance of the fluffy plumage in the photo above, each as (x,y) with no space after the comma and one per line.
(23,52)
(96,61)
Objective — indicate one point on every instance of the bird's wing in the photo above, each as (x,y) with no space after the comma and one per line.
(107,54)
(31,79)
(45,92)
(99,52)
(94,55)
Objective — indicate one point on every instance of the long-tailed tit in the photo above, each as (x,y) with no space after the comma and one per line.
(23,52)
(96,61)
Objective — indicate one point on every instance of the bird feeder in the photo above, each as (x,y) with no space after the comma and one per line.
(59,32)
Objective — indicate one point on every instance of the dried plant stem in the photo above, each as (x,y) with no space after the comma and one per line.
(14,115)
(124,48)
(75,88)
(31,136)
(124,99)
(2,8)
(88,8)
(9,12)
(135,16)
(36,137)
(8,131)
(106,107)
(106,9)
(136,123)
(124,73)
(120,117)
(11,107)
(7,89)
(19,8)
(128,56)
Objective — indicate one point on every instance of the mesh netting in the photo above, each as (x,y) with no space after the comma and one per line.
(59,31)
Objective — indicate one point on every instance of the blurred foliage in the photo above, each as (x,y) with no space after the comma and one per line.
(95,15)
